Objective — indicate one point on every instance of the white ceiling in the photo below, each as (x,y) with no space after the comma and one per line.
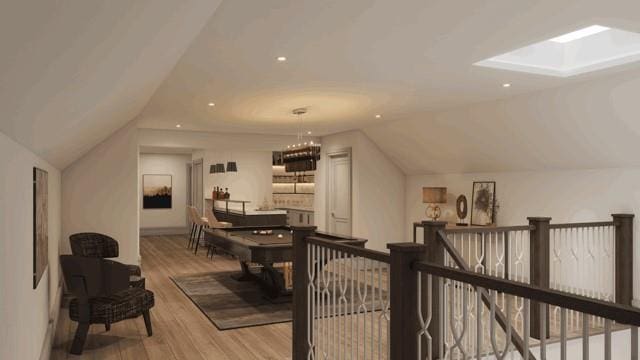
(586,125)
(348,60)
(74,71)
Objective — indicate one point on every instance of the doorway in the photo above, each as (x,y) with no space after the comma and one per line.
(339,192)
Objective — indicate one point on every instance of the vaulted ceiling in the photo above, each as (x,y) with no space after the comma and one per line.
(72,72)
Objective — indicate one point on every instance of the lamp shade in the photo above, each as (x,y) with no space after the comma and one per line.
(220,167)
(212,169)
(232,166)
(434,195)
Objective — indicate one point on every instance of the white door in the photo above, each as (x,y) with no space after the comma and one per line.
(198,200)
(339,193)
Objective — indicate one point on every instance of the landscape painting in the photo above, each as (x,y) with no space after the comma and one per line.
(156,191)
(483,203)
(40,224)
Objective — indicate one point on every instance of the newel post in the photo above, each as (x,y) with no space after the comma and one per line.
(403,290)
(539,270)
(301,330)
(435,254)
(624,258)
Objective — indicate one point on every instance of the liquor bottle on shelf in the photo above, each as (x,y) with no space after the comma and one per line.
(226,193)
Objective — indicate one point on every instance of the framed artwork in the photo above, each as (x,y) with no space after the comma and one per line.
(156,191)
(483,203)
(40,224)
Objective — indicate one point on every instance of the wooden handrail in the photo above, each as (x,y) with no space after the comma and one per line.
(581,225)
(351,247)
(622,314)
(489,229)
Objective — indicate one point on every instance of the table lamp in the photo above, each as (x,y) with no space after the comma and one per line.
(433,196)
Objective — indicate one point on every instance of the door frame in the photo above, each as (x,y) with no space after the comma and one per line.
(328,178)
(194,189)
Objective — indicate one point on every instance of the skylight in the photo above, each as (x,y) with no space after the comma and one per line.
(579,34)
(592,48)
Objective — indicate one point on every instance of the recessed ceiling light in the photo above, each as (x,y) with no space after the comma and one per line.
(178,126)
(212,104)
(281,58)
(378,116)
(308,132)
(506,85)
(579,34)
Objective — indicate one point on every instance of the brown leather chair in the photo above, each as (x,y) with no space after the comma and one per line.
(102,295)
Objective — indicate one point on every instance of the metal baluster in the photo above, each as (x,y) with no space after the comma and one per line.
(607,339)
(563,334)
(443,305)
(310,307)
(585,336)
(479,322)
(459,328)
(634,343)
(526,328)
(424,323)
(373,307)
(543,331)
(352,313)
(334,318)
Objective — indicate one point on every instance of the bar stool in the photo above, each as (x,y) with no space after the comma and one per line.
(213,223)
(200,223)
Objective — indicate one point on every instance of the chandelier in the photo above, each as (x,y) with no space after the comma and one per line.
(304,155)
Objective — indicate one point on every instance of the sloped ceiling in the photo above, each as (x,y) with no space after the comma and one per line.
(350,60)
(74,71)
(594,124)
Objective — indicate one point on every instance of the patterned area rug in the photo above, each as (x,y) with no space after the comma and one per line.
(231,304)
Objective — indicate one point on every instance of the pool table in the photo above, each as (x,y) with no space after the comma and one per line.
(265,246)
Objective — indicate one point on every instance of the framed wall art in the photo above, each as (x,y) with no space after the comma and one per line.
(483,203)
(156,191)
(40,224)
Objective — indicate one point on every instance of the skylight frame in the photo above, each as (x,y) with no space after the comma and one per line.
(599,48)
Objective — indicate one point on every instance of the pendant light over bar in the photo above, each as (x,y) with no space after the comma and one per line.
(303,156)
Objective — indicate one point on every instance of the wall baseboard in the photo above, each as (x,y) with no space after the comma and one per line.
(47,344)
(176,230)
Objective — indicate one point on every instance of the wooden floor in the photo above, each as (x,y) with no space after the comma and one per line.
(180,330)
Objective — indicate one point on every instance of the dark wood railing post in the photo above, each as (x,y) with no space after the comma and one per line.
(539,269)
(624,258)
(301,330)
(404,300)
(435,254)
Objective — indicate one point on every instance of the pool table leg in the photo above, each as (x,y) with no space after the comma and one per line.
(273,282)
(246,274)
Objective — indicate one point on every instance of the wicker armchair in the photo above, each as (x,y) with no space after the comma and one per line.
(98,246)
(102,295)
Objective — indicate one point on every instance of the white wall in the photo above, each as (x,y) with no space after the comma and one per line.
(377,190)
(168,164)
(566,196)
(25,312)
(100,193)
(253,180)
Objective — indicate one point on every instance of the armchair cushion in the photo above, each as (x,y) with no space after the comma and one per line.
(110,309)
